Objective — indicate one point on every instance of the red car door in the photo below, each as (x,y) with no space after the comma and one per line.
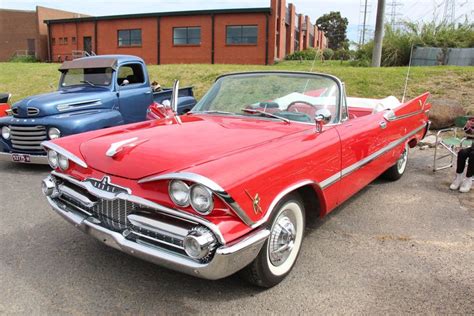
(361,140)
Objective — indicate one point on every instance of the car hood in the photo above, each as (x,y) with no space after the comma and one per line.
(71,99)
(162,146)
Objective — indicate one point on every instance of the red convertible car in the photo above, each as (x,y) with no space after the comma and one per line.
(228,186)
(4,106)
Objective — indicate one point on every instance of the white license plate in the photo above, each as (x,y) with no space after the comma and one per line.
(21,158)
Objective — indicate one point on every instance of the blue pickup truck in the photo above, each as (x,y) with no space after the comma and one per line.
(94,93)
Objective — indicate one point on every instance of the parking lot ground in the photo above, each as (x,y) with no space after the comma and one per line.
(398,247)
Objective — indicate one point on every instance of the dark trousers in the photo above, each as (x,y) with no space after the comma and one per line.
(463,156)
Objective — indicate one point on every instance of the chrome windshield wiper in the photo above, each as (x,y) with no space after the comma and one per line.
(253,111)
(214,112)
(90,83)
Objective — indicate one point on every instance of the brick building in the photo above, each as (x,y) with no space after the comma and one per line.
(24,32)
(230,36)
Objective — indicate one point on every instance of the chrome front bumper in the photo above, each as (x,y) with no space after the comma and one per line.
(227,260)
(34,159)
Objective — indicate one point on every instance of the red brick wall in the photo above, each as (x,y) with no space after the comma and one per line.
(171,54)
(290,31)
(241,54)
(107,38)
(61,52)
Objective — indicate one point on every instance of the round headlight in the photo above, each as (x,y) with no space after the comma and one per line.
(54,133)
(53,159)
(199,243)
(6,132)
(63,162)
(201,199)
(179,193)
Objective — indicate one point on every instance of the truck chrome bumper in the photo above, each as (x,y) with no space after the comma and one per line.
(227,260)
(34,159)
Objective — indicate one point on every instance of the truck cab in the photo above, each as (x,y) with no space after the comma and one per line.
(93,93)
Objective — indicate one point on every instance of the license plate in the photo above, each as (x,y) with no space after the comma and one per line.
(21,158)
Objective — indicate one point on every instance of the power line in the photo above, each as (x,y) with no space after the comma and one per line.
(394,13)
(449,15)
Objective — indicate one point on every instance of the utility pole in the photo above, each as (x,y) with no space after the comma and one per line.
(394,13)
(449,11)
(364,12)
(378,38)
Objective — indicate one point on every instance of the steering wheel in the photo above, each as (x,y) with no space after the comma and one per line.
(303,102)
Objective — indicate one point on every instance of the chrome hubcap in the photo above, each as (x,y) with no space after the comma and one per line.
(402,162)
(282,240)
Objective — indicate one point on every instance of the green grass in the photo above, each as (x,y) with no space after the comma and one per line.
(444,82)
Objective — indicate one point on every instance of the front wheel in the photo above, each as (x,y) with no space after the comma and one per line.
(397,170)
(279,253)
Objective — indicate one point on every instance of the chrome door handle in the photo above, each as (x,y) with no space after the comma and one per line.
(148,92)
(383,125)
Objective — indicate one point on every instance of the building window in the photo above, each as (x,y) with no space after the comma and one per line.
(187,35)
(53,41)
(61,41)
(73,40)
(127,38)
(242,34)
(65,41)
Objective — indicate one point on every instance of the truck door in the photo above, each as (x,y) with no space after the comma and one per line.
(134,91)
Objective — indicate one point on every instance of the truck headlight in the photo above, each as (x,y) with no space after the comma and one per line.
(53,159)
(6,132)
(63,162)
(179,193)
(54,133)
(201,199)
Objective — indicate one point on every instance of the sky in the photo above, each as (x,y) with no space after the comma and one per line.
(415,10)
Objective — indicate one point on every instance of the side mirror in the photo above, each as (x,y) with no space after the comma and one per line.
(321,118)
(174,97)
(389,115)
(125,83)
(166,103)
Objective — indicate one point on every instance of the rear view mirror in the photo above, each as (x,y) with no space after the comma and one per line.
(125,83)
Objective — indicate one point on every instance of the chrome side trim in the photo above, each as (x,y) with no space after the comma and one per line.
(64,152)
(279,197)
(379,153)
(78,105)
(217,189)
(331,180)
(141,201)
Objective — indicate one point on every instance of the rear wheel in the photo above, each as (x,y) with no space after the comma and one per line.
(279,253)
(397,170)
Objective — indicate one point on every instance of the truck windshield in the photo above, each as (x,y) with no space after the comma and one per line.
(87,77)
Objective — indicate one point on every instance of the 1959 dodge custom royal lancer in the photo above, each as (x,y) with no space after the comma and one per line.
(227,187)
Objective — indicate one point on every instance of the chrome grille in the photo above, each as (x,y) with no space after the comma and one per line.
(28,137)
(113,214)
(32,111)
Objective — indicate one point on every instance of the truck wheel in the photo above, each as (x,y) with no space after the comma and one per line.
(279,253)
(397,170)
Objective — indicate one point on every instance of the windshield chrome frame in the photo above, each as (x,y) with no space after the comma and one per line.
(339,84)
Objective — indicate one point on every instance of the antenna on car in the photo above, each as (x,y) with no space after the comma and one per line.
(311,70)
(408,75)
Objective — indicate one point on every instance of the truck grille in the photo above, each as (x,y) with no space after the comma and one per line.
(28,137)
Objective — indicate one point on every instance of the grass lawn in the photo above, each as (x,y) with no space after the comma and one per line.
(444,82)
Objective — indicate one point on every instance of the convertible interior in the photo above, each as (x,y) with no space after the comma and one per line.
(303,107)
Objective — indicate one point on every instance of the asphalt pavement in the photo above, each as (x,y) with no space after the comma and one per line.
(401,247)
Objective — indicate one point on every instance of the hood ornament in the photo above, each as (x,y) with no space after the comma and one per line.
(117,147)
(255,202)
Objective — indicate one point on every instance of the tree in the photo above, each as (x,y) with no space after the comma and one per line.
(334,27)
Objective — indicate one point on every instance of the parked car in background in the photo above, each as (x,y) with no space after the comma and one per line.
(4,104)
(94,93)
(261,152)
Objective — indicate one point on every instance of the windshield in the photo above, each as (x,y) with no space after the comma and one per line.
(293,97)
(87,77)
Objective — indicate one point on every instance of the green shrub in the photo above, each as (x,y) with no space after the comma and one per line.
(397,42)
(328,53)
(307,54)
(342,54)
(23,59)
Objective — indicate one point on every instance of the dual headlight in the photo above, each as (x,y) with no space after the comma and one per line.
(6,132)
(196,195)
(57,160)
